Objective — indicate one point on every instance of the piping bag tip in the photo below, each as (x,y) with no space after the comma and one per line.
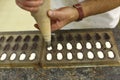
(48,44)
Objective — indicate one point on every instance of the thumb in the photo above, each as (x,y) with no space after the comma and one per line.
(54,14)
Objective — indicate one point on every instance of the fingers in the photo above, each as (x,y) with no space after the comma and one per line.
(57,19)
(54,28)
(54,14)
(58,25)
(29,5)
(36,26)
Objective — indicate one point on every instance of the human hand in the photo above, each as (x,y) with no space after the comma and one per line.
(61,17)
(29,5)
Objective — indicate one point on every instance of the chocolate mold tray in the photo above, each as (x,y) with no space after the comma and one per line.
(20,49)
(82,48)
(69,49)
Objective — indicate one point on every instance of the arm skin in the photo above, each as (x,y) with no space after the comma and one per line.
(93,7)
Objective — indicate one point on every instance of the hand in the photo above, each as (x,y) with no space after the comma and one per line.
(61,17)
(29,5)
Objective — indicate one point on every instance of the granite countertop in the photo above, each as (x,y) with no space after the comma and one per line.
(94,73)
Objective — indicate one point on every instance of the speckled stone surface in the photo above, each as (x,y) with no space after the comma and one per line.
(94,73)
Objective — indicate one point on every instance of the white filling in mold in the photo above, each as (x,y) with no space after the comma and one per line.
(13,56)
(69,56)
(59,46)
(80,55)
(49,48)
(90,55)
(79,46)
(49,56)
(100,54)
(59,56)
(111,54)
(69,46)
(22,57)
(108,44)
(98,45)
(3,57)
(32,56)
(88,45)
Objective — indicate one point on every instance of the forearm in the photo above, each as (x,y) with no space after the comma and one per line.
(93,7)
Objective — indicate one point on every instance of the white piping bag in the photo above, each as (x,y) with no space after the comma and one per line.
(43,21)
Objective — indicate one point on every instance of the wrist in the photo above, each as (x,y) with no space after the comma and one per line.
(79,9)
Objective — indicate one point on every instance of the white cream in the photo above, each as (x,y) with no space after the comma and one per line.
(3,57)
(69,46)
(49,57)
(59,56)
(13,56)
(22,57)
(90,55)
(32,56)
(80,55)
(69,56)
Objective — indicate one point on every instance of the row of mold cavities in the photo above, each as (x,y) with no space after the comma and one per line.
(79,37)
(27,38)
(79,46)
(18,46)
(13,57)
(80,55)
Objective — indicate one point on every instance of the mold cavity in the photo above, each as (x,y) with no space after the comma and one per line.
(106,36)
(22,57)
(80,55)
(49,57)
(32,56)
(69,56)
(88,37)
(111,54)
(79,46)
(52,38)
(2,39)
(25,46)
(88,45)
(15,47)
(69,46)
(90,55)
(59,46)
(18,39)
(100,54)
(98,45)
(7,47)
(78,37)
(0,46)
(36,38)
(108,44)
(13,56)
(49,48)
(3,56)
(34,46)
(60,38)
(97,36)
(27,38)
(69,37)
(59,56)
(10,39)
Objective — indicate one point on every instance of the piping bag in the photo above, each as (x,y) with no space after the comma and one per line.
(43,21)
